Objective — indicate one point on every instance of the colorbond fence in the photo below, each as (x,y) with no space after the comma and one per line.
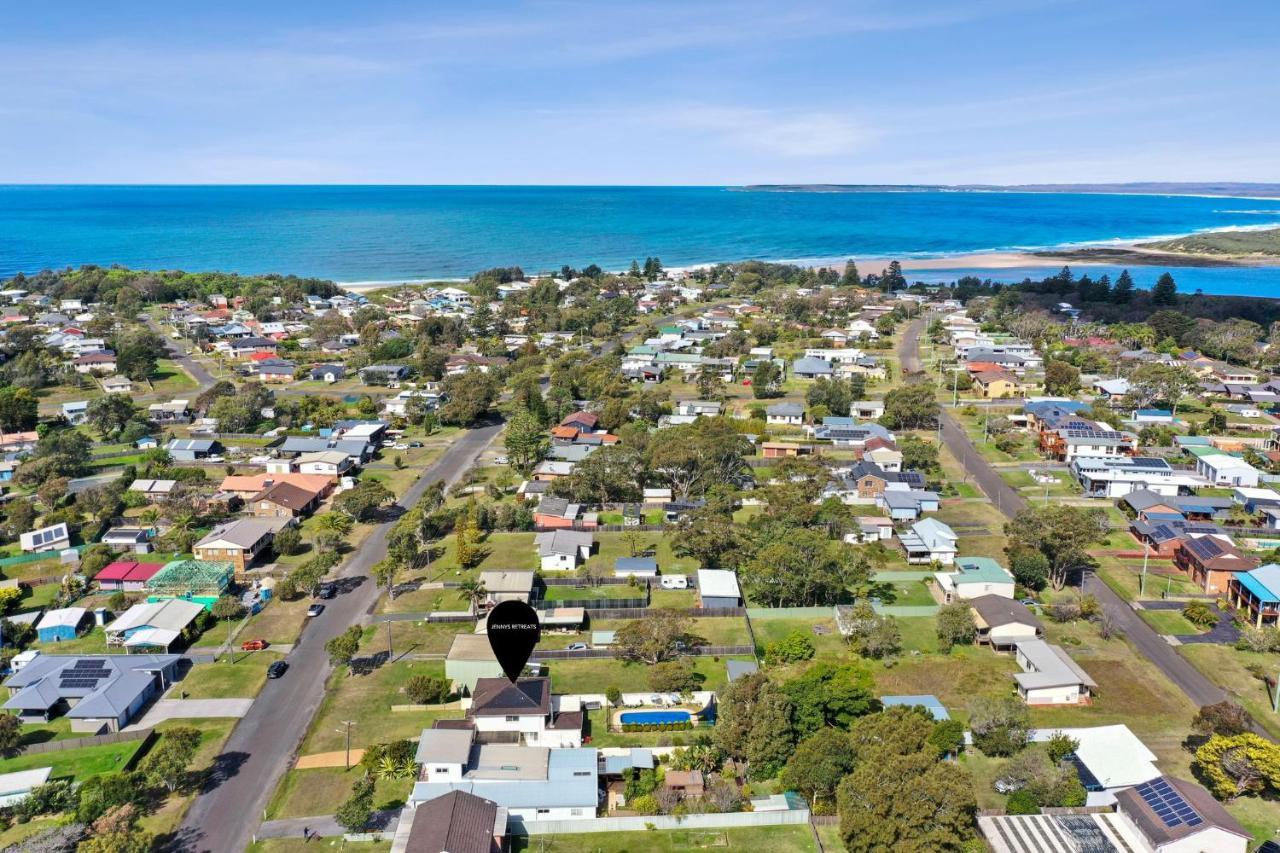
(641,823)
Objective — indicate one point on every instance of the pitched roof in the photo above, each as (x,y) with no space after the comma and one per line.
(1167,809)
(288,495)
(997,611)
(497,697)
(243,532)
(457,822)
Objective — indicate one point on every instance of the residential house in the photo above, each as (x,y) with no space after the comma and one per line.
(503,586)
(998,384)
(153,627)
(533,783)
(1257,593)
(1221,469)
(284,500)
(135,539)
(870,529)
(718,588)
(76,412)
(929,541)
(1117,476)
(328,373)
(563,550)
(525,709)
(1175,816)
(240,542)
(55,537)
(95,362)
(245,486)
(1050,677)
(552,469)
(383,374)
(456,822)
(974,577)
(1212,562)
(97,692)
(275,370)
(117,385)
(172,412)
(786,450)
(1002,622)
(154,489)
(785,414)
(811,368)
(326,463)
(908,504)
(867,410)
(126,576)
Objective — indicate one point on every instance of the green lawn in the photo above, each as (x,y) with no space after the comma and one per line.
(303,793)
(1229,668)
(242,678)
(279,622)
(775,839)
(593,676)
(772,630)
(1168,622)
(611,546)
(78,764)
(367,699)
(590,593)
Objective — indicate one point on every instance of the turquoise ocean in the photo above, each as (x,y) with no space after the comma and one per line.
(405,233)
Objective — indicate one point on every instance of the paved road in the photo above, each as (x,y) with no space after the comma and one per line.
(178,354)
(225,815)
(1129,624)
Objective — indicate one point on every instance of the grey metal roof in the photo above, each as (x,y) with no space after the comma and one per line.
(48,679)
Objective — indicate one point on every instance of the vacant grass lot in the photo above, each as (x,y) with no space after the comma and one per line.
(303,793)
(213,734)
(772,630)
(236,676)
(776,839)
(279,622)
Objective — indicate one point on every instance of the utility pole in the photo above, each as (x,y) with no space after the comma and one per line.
(1142,581)
(390,651)
(955,387)
(348,724)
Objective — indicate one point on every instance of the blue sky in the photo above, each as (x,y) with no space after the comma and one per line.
(686,92)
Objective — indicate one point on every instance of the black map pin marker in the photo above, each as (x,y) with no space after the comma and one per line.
(513,632)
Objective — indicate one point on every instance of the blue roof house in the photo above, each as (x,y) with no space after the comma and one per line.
(1257,593)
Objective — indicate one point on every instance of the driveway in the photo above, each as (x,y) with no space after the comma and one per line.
(178,709)
(227,811)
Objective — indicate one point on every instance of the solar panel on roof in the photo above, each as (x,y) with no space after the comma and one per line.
(1168,804)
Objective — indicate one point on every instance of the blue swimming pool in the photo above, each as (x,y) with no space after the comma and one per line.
(651,717)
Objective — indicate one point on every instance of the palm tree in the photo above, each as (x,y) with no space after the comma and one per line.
(334,522)
(475,592)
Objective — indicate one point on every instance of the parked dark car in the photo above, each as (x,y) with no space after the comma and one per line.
(326,591)
(277,669)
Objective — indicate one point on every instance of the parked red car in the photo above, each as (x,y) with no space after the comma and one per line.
(253,645)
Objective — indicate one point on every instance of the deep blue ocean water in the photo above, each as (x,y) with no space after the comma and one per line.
(358,233)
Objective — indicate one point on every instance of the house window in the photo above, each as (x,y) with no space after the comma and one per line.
(439,769)
(544,811)
(512,718)
(575,812)
(582,773)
